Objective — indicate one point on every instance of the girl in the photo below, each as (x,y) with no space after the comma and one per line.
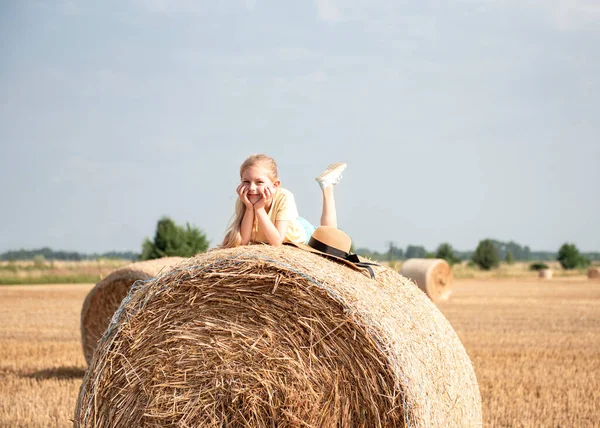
(267,213)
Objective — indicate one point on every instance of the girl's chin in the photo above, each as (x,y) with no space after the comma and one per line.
(254,199)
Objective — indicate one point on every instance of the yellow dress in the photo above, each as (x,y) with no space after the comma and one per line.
(283,207)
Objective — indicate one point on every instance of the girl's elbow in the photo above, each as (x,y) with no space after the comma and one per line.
(277,242)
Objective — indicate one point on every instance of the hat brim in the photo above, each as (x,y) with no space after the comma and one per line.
(310,249)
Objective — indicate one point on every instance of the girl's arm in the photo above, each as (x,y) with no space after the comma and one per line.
(246,226)
(275,233)
(248,219)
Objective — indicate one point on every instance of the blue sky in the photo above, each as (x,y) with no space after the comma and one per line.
(459,120)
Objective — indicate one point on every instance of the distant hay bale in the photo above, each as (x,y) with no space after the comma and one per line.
(545,273)
(594,273)
(277,336)
(433,276)
(103,300)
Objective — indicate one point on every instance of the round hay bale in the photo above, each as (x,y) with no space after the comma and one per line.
(433,276)
(104,299)
(594,273)
(277,336)
(545,273)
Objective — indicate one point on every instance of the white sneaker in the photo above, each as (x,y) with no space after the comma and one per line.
(332,175)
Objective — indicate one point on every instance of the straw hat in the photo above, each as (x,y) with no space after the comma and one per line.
(333,243)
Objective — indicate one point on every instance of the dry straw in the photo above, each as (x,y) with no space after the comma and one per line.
(545,273)
(594,273)
(103,300)
(276,336)
(433,276)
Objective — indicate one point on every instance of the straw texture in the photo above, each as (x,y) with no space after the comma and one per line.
(594,273)
(277,336)
(433,276)
(104,299)
(545,273)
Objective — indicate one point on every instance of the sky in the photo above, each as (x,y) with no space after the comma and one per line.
(459,120)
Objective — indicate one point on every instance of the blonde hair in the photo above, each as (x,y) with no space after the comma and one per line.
(233,237)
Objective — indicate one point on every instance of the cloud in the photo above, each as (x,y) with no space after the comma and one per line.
(74,167)
(154,5)
(563,15)
(328,11)
(571,15)
(318,76)
(196,8)
(297,54)
(71,7)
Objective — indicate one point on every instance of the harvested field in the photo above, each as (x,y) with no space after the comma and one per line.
(535,346)
(56,271)
(41,363)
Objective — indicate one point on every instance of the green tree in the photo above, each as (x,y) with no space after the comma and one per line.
(570,258)
(173,240)
(415,252)
(393,252)
(509,258)
(538,266)
(446,252)
(486,255)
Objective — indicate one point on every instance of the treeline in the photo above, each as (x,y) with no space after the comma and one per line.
(516,251)
(50,254)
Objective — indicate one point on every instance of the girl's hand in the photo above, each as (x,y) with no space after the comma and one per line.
(265,200)
(242,191)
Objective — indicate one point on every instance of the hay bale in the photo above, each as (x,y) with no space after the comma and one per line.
(433,276)
(594,273)
(545,273)
(277,336)
(103,300)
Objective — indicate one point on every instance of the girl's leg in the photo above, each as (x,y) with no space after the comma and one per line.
(328,215)
(327,180)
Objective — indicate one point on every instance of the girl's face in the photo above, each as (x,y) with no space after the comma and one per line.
(256,180)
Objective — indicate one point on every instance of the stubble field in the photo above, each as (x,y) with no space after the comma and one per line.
(535,346)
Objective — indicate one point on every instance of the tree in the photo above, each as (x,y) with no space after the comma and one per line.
(570,258)
(393,252)
(486,255)
(509,259)
(173,240)
(538,266)
(391,247)
(415,252)
(446,252)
